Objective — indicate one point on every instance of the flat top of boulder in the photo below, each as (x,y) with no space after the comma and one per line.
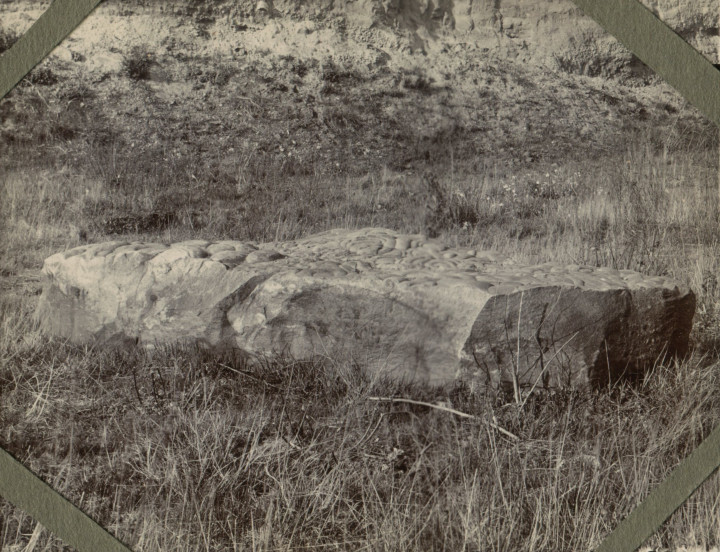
(402,258)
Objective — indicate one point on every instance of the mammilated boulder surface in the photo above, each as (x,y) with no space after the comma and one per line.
(389,301)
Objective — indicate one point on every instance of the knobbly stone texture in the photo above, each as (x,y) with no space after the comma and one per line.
(390,301)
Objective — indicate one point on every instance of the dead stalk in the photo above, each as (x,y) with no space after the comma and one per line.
(445,409)
(516,368)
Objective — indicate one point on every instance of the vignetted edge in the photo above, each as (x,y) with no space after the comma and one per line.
(667,497)
(58,21)
(631,23)
(698,80)
(661,49)
(28,492)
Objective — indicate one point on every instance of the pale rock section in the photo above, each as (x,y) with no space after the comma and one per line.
(394,302)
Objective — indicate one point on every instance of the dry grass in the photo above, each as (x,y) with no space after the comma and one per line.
(181,450)
(185,451)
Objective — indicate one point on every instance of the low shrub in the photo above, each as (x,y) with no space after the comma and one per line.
(137,63)
(7,39)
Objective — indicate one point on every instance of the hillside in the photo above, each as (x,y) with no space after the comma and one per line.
(314,84)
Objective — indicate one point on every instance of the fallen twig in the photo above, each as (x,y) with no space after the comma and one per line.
(247,100)
(445,409)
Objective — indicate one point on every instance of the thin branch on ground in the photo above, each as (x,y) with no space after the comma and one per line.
(445,409)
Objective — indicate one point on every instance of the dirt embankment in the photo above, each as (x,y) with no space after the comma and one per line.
(322,85)
(555,34)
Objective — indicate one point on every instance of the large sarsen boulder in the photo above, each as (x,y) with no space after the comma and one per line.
(390,301)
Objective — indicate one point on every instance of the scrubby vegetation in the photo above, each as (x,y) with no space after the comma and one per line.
(181,450)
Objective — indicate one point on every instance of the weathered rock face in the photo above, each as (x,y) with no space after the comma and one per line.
(392,302)
(554,33)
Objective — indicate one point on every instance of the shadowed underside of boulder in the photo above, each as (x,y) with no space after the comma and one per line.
(392,302)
